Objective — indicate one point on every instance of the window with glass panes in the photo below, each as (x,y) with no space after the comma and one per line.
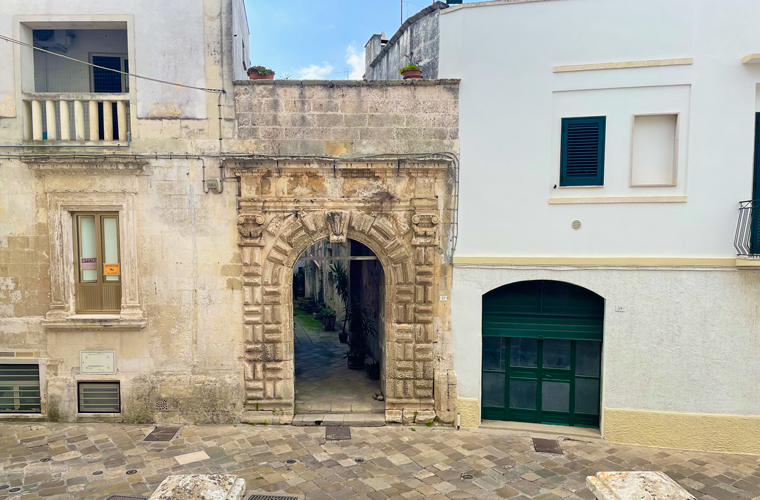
(542,344)
(97,262)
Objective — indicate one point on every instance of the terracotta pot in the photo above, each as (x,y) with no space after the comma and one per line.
(412,74)
(329,323)
(256,76)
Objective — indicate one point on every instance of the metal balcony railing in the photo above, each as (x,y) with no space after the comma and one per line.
(747,239)
(61,117)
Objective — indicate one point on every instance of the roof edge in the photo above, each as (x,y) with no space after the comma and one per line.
(489,3)
(405,26)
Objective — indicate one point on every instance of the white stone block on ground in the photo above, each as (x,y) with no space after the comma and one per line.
(200,487)
(189,458)
(638,485)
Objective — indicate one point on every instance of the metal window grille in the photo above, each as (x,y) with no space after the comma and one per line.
(99,397)
(20,388)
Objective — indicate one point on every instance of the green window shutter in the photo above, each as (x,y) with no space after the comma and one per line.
(19,388)
(582,155)
(99,397)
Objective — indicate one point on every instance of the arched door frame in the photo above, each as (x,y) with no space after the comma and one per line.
(405,239)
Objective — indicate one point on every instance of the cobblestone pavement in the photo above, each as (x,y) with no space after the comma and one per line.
(324,384)
(386,462)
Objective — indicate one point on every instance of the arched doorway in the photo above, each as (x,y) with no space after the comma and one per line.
(542,353)
(339,329)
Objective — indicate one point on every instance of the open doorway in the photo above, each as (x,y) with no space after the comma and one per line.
(339,329)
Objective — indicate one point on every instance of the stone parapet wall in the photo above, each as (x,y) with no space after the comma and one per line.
(346,118)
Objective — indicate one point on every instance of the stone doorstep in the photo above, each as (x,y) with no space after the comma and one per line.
(329,419)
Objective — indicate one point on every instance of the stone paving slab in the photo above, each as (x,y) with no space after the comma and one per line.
(90,461)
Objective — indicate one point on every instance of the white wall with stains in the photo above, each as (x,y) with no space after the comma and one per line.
(169,44)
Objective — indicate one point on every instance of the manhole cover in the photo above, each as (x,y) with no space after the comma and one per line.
(14,490)
(44,460)
(547,446)
(291,461)
(162,434)
(265,496)
(337,433)
(131,471)
(359,460)
(4,487)
(97,473)
(466,477)
(122,497)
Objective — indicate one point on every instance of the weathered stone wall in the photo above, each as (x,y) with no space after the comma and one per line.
(346,118)
(184,330)
(416,41)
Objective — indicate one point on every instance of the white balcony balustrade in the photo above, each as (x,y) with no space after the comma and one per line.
(85,118)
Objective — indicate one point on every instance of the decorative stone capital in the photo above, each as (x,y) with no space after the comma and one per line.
(425,229)
(250,227)
(337,222)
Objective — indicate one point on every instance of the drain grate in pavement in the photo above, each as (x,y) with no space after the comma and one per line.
(265,496)
(547,446)
(122,497)
(338,433)
(162,434)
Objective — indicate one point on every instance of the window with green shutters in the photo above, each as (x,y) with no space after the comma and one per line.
(19,388)
(582,151)
(99,397)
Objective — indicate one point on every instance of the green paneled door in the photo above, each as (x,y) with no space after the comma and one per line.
(542,354)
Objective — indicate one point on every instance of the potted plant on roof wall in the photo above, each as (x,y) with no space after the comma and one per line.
(411,71)
(260,73)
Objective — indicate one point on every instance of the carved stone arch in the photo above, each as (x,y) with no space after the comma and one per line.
(276,223)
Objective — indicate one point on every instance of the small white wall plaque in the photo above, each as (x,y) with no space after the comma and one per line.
(96,361)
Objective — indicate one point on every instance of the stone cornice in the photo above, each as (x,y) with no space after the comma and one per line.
(87,166)
(350,83)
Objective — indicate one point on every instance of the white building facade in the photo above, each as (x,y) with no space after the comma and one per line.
(605,149)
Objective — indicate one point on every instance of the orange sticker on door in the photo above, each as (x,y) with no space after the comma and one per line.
(111,269)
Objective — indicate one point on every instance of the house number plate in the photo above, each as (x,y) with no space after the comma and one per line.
(96,361)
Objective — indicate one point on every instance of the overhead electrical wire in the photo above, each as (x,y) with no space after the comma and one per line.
(24,44)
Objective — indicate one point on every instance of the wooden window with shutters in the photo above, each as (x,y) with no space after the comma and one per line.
(582,152)
(98,269)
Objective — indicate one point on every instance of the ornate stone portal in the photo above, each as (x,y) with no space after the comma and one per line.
(401,211)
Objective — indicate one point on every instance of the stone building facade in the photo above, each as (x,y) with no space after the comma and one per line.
(212,214)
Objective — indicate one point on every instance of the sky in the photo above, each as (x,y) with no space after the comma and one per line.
(320,39)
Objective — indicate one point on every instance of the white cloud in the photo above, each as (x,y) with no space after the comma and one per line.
(314,72)
(355,63)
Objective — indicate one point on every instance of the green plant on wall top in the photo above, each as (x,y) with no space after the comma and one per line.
(260,70)
(408,67)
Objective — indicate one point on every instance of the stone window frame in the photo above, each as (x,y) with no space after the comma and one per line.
(62,313)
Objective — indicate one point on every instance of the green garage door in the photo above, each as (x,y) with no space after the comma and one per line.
(542,353)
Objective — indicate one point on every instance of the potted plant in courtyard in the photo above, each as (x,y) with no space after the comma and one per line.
(355,356)
(373,370)
(328,318)
(260,73)
(339,279)
(362,328)
(318,313)
(411,71)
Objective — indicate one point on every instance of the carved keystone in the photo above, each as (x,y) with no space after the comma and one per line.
(337,221)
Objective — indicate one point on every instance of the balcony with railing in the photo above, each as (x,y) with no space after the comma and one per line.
(81,117)
(81,97)
(747,239)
